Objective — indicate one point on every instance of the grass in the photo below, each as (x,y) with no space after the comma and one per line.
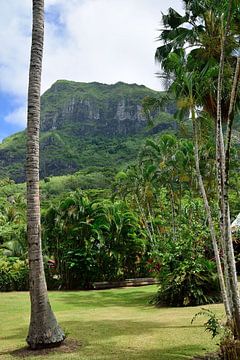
(110,324)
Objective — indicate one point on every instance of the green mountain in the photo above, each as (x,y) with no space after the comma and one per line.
(85,126)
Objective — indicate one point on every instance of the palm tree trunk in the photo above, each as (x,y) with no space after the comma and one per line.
(173,212)
(221,220)
(232,270)
(144,218)
(225,201)
(224,209)
(150,217)
(210,220)
(231,113)
(44,330)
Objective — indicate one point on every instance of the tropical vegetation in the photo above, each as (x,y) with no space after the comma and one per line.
(159,204)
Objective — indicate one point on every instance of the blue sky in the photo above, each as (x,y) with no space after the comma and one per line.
(85,40)
(7,106)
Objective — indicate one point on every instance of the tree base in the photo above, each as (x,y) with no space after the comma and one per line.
(229,350)
(69,346)
(47,340)
(39,345)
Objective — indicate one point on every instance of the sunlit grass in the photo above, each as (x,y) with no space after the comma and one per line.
(110,324)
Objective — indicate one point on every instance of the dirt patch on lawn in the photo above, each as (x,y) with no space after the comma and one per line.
(68,346)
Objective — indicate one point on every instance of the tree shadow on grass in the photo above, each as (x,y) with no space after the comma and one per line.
(69,346)
(104,336)
(121,339)
(111,353)
(107,298)
(107,328)
(171,353)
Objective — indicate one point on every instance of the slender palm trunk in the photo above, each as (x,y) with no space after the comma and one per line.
(150,217)
(173,212)
(144,218)
(231,113)
(219,163)
(44,330)
(223,188)
(232,265)
(210,220)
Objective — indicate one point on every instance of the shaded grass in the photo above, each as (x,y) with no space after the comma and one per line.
(109,324)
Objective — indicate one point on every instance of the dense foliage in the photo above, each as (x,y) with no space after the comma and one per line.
(13,274)
(187,270)
(102,224)
(151,224)
(94,241)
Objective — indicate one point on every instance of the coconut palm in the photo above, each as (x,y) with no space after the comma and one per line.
(44,330)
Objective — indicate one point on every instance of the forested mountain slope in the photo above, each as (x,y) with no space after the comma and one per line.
(85,125)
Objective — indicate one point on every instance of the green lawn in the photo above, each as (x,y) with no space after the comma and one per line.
(109,324)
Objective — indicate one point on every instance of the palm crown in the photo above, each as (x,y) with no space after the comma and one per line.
(192,42)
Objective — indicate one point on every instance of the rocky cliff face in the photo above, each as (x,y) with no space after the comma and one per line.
(115,117)
(77,120)
(94,109)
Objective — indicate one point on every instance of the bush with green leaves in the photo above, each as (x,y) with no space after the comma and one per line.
(94,240)
(13,274)
(187,276)
(164,190)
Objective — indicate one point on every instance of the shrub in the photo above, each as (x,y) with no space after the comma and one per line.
(94,241)
(187,277)
(13,274)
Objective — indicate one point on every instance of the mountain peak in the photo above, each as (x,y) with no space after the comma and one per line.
(77,117)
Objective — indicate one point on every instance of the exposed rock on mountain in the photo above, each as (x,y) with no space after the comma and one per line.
(82,125)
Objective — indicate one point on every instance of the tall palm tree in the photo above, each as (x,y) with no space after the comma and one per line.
(211,38)
(44,330)
(222,170)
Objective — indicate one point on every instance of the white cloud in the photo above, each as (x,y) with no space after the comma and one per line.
(18,116)
(15,30)
(108,41)
(90,40)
